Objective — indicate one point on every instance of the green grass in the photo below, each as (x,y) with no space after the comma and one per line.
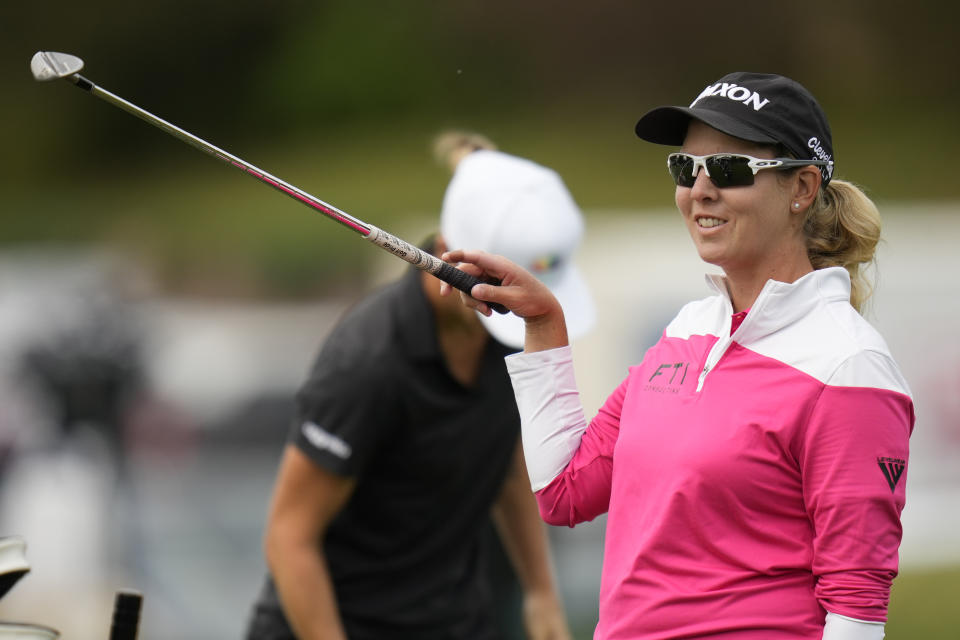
(923,606)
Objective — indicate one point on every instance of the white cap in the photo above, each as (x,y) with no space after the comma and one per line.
(515,208)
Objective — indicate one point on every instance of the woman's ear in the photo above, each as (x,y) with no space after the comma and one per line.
(805,188)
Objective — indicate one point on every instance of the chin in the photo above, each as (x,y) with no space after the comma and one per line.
(710,257)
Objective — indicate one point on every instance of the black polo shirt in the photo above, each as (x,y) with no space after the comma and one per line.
(429,456)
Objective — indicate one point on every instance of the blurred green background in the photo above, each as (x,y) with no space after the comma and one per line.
(343,99)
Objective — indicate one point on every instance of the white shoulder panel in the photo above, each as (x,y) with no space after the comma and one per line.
(709,316)
(835,345)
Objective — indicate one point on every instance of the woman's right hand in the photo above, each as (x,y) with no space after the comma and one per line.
(519,291)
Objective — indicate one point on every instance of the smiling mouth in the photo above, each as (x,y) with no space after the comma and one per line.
(708,223)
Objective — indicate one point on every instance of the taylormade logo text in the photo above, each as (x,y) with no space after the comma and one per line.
(733,92)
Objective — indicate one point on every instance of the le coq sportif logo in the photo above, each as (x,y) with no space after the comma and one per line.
(892,469)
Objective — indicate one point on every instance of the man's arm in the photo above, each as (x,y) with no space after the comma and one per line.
(524,539)
(305,500)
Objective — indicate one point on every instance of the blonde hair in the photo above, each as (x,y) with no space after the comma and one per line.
(842,229)
(450,147)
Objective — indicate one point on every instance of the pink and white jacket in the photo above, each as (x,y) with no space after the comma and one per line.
(754,478)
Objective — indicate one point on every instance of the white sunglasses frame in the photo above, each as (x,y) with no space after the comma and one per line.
(756,164)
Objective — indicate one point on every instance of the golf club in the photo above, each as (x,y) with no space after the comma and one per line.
(51,65)
(126,615)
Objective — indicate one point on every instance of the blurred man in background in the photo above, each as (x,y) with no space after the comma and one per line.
(406,438)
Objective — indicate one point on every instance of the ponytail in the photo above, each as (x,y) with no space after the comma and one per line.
(842,229)
(450,147)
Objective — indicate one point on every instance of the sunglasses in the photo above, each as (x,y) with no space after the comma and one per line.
(729,169)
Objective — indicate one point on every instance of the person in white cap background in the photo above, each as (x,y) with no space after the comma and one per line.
(406,439)
(514,207)
(753,465)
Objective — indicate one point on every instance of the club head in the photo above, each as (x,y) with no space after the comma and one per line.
(50,65)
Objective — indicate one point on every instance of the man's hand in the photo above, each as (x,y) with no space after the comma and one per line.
(543,617)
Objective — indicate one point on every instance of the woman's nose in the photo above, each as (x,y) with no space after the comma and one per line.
(703,187)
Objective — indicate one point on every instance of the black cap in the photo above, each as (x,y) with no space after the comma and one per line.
(759,107)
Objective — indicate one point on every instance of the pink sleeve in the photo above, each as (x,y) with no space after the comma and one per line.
(853,462)
(582,491)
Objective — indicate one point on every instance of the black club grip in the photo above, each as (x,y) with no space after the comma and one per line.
(126,615)
(464,282)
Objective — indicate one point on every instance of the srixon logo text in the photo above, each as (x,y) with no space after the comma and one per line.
(733,92)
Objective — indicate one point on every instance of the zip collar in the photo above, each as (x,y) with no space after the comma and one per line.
(779,305)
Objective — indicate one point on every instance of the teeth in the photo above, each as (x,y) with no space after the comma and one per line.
(709,222)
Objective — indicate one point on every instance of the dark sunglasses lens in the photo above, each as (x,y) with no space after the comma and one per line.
(730,171)
(681,169)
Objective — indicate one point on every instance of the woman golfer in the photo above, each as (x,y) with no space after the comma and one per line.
(753,465)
